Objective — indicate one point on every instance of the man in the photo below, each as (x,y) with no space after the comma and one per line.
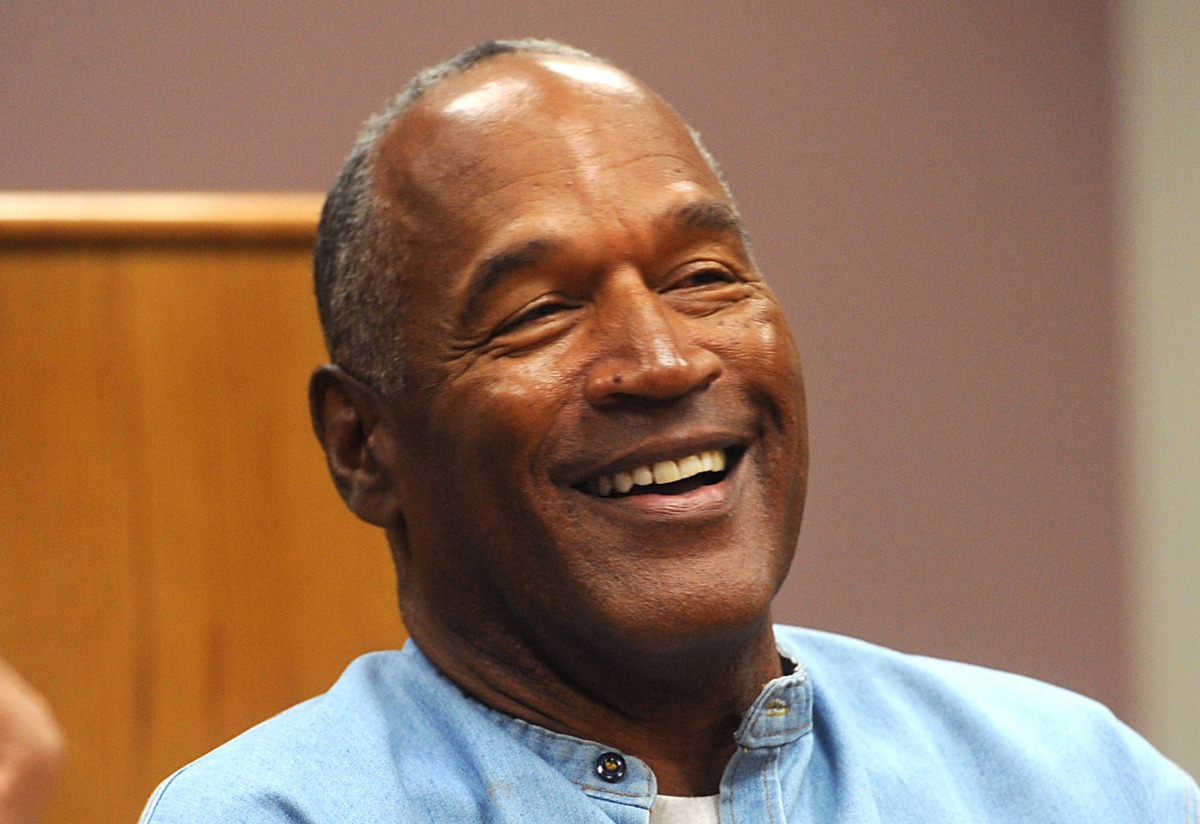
(563,390)
(31,749)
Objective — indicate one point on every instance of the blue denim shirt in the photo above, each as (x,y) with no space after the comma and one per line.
(855,733)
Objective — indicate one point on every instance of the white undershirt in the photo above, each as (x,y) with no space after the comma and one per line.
(677,809)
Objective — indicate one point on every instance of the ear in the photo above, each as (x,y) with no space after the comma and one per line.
(350,420)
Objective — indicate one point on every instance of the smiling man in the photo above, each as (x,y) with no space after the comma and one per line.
(562,388)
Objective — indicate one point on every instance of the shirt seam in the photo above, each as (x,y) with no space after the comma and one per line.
(156,798)
(590,790)
(1192,810)
(768,763)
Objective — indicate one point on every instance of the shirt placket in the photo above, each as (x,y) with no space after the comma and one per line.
(777,729)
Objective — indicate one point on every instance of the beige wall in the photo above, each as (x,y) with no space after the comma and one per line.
(930,188)
(1160,206)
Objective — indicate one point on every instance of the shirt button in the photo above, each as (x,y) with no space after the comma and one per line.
(611,767)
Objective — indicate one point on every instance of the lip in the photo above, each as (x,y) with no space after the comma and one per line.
(704,502)
(711,501)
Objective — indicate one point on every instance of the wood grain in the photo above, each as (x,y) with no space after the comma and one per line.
(174,562)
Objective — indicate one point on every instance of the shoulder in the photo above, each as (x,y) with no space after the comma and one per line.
(392,740)
(854,676)
(994,731)
(852,670)
(330,750)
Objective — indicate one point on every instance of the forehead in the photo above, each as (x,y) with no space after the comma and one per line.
(521,132)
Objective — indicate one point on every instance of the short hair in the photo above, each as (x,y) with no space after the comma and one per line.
(360,259)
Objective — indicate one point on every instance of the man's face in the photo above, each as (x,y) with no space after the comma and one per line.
(584,315)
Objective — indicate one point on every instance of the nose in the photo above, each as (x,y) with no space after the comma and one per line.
(645,351)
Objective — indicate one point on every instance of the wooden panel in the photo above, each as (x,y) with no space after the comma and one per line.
(174,562)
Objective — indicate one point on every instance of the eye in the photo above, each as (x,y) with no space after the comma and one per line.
(708,274)
(532,313)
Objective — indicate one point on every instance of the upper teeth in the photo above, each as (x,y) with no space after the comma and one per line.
(662,472)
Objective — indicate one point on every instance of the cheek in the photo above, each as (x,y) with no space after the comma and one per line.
(761,357)
(500,411)
(758,351)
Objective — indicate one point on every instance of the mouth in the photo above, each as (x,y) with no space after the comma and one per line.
(666,477)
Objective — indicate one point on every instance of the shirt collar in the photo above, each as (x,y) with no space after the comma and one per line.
(780,715)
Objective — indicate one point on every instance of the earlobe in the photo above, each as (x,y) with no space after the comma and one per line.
(349,419)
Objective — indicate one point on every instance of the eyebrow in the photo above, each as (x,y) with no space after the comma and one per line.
(708,214)
(713,216)
(490,271)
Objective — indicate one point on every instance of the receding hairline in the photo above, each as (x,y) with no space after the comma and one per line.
(529,92)
(432,82)
(432,110)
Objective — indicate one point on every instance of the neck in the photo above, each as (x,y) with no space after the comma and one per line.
(677,710)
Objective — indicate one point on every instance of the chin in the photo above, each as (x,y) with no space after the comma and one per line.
(716,613)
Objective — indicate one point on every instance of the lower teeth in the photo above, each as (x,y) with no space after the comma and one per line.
(676,488)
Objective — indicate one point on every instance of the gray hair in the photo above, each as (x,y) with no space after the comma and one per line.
(360,257)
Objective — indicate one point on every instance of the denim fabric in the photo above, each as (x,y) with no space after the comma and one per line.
(856,733)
